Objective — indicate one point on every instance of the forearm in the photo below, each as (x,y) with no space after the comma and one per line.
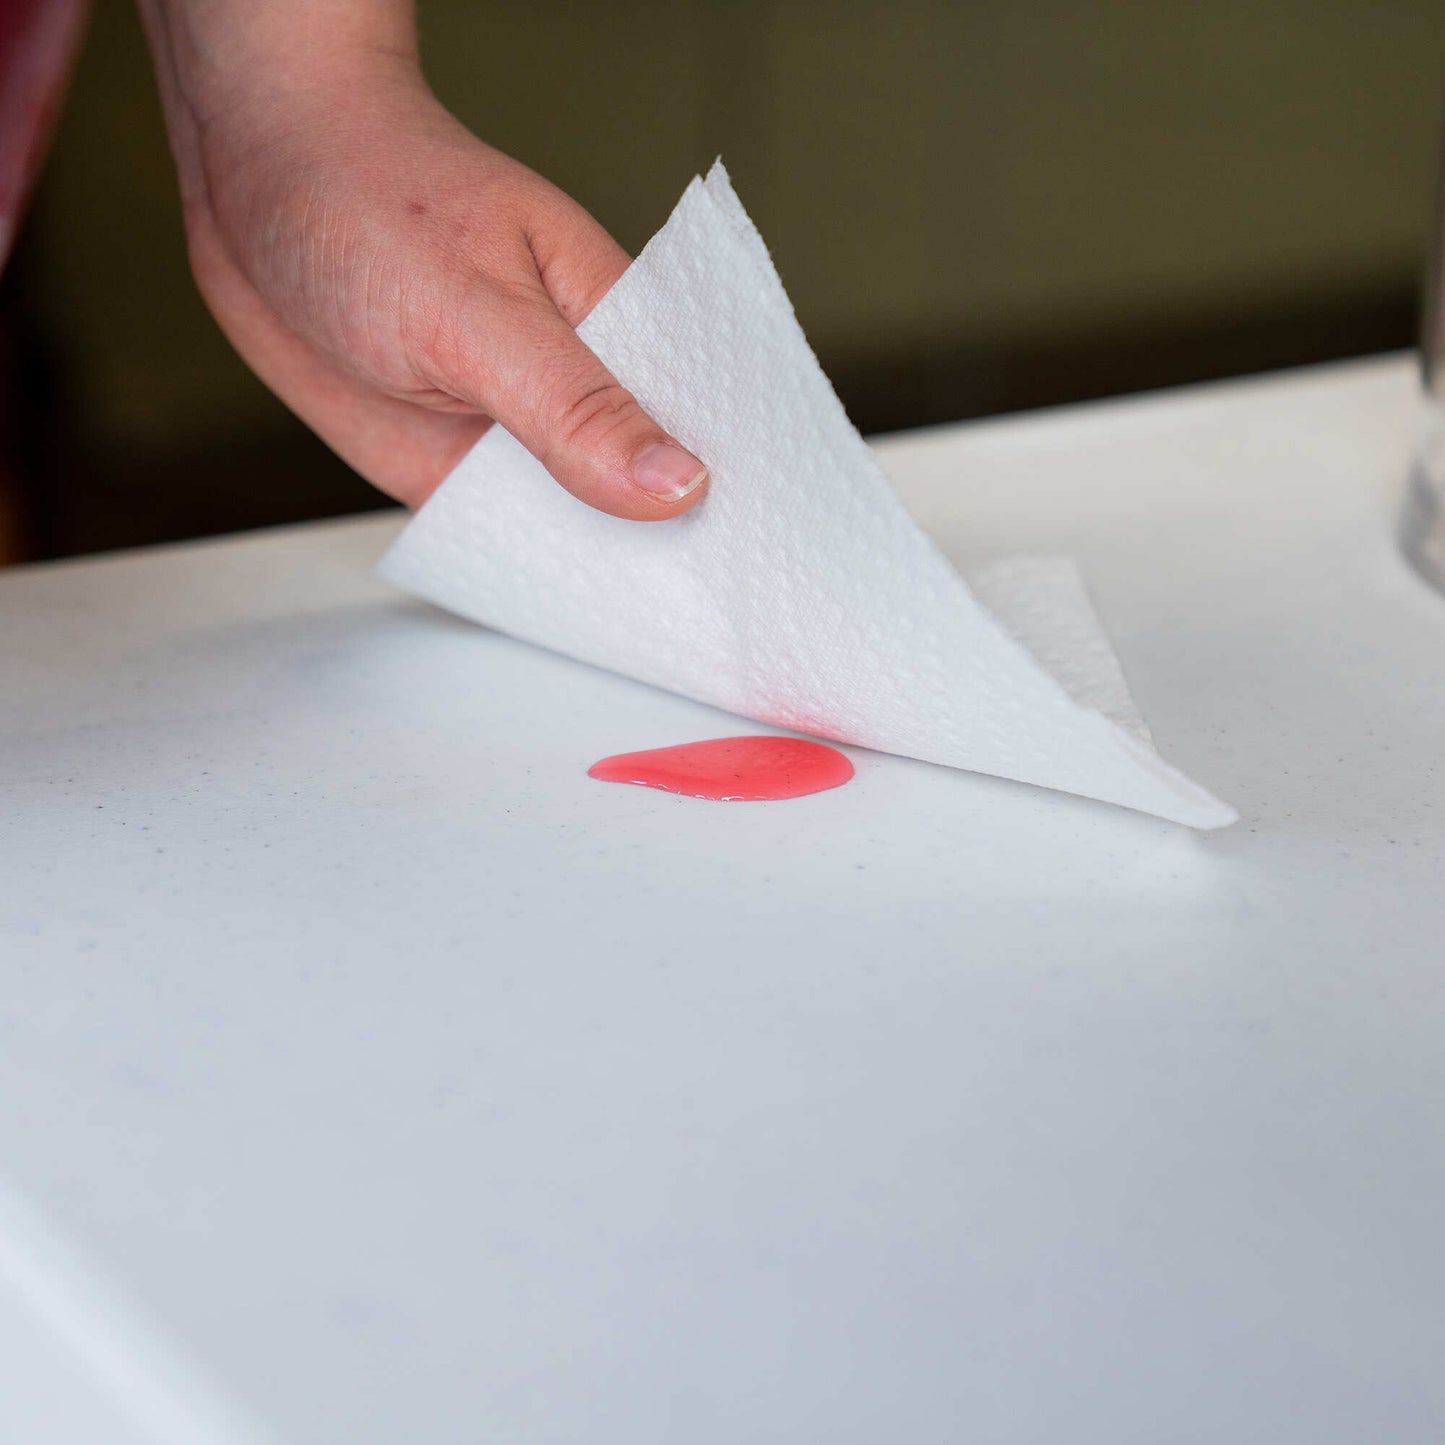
(216,59)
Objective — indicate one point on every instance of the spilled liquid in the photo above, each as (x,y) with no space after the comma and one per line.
(732,770)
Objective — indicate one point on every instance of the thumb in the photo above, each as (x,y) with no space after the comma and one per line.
(549,390)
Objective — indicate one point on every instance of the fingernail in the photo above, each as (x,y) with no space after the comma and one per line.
(668,472)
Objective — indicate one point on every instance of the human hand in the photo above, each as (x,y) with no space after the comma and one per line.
(399,284)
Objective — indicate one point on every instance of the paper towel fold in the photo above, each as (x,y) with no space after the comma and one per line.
(799,592)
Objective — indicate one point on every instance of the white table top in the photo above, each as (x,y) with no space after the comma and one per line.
(372,1075)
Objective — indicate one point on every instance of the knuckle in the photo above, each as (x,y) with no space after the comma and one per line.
(594,413)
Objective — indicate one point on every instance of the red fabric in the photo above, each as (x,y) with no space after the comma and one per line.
(39,40)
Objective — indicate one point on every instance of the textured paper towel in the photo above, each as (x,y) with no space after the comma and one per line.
(799,592)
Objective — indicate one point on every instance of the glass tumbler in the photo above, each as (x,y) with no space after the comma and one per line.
(1422,527)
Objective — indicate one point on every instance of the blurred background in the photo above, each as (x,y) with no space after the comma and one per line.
(976,207)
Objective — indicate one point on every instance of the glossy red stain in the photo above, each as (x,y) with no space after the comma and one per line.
(732,770)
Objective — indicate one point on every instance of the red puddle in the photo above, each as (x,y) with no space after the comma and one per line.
(732,770)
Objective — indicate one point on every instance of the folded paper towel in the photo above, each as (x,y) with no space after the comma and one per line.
(799,592)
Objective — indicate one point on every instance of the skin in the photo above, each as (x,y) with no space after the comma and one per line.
(39,40)
(397,282)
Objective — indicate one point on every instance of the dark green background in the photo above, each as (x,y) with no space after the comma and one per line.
(976,207)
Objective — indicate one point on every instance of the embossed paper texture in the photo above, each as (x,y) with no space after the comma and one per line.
(800,592)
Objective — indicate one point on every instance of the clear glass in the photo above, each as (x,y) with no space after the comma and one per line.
(1422,526)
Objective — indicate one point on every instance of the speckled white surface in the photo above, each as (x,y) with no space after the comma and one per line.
(409,1086)
(799,591)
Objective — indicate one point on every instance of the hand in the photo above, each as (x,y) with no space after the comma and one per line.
(398,283)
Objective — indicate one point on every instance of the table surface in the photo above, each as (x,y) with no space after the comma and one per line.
(373,1075)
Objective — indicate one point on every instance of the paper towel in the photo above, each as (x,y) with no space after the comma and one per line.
(799,592)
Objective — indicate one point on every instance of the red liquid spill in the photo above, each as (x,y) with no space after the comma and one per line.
(732,770)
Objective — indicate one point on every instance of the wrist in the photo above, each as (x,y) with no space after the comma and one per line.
(237,78)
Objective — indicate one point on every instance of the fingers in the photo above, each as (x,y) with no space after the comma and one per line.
(577,260)
(405,449)
(542,383)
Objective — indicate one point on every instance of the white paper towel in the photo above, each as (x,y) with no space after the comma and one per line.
(799,592)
